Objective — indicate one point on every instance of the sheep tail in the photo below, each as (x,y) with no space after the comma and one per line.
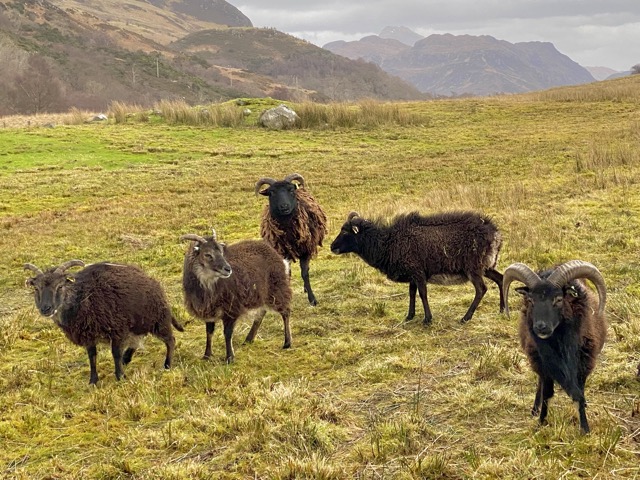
(176,325)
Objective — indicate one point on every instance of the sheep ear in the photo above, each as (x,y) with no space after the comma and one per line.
(571,290)
(524,291)
(29,282)
(355,229)
(71,279)
(196,247)
(264,192)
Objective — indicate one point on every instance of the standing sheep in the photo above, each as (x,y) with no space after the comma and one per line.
(562,328)
(221,281)
(445,249)
(293,223)
(105,302)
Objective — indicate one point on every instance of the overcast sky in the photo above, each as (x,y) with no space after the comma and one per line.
(591,32)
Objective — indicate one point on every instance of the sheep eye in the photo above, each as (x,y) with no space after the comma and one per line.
(557,301)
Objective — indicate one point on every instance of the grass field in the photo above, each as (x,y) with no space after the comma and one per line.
(361,394)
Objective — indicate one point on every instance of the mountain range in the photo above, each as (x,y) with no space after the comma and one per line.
(464,64)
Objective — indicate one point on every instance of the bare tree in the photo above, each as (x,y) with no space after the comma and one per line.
(635,69)
(35,90)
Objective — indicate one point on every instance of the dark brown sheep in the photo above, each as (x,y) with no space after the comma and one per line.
(445,249)
(105,302)
(225,282)
(562,328)
(293,223)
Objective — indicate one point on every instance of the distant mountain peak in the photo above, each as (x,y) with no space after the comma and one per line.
(402,34)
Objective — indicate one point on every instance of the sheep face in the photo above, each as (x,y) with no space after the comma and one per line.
(49,291)
(347,239)
(209,263)
(546,302)
(282,198)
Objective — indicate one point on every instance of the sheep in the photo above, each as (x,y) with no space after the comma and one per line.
(562,329)
(221,281)
(105,302)
(293,223)
(444,249)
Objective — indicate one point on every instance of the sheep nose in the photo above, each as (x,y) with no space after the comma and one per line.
(227,269)
(47,310)
(542,330)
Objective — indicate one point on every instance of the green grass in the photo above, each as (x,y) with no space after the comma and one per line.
(361,394)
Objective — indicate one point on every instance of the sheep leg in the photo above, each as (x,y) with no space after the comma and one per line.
(546,394)
(92,351)
(166,335)
(229,324)
(116,351)
(535,410)
(413,288)
(256,325)
(481,289)
(496,276)
(304,271)
(207,349)
(287,330)
(422,290)
(128,355)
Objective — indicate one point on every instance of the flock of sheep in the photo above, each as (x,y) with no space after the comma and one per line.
(562,327)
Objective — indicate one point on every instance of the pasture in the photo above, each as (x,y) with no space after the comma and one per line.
(361,394)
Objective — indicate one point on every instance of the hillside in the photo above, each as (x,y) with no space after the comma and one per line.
(58,54)
(449,64)
(361,393)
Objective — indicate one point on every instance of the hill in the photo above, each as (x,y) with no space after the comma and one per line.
(58,54)
(464,64)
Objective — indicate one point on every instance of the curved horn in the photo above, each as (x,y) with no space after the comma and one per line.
(295,176)
(264,181)
(33,268)
(66,265)
(520,272)
(194,237)
(352,215)
(573,269)
(214,235)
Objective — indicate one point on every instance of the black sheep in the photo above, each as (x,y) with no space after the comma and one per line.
(225,282)
(105,302)
(293,223)
(445,249)
(562,328)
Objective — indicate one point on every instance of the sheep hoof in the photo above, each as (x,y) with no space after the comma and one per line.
(230,360)
(464,320)
(286,345)
(426,321)
(206,356)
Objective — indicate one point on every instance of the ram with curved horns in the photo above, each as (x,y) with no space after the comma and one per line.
(562,328)
(293,222)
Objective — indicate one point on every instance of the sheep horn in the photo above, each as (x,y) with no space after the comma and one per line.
(66,265)
(33,268)
(520,272)
(213,234)
(573,269)
(194,237)
(264,181)
(295,176)
(352,215)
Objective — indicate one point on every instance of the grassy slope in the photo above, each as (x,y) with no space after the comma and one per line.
(360,394)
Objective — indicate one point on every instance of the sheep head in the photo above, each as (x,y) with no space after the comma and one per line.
(281,193)
(50,287)
(548,293)
(206,257)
